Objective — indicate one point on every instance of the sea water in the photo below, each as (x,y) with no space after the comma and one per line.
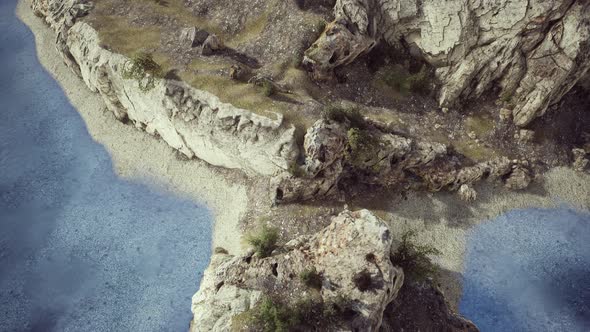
(80,248)
(529,270)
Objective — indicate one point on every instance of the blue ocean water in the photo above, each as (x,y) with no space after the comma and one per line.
(80,248)
(529,270)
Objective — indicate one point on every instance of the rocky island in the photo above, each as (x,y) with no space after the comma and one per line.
(345,146)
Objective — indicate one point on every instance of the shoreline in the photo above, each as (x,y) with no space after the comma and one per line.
(140,157)
(441,219)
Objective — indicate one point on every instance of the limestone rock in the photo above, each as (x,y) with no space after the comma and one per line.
(519,179)
(355,242)
(467,193)
(324,144)
(211,45)
(194,36)
(581,161)
(536,50)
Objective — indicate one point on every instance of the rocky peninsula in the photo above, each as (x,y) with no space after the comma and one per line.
(352,144)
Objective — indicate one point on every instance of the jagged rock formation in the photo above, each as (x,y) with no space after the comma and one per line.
(533,51)
(354,243)
(195,122)
(390,161)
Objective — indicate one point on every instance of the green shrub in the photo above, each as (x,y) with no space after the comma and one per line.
(361,146)
(400,80)
(420,81)
(268,89)
(143,69)
(311,278)
(265,241)
(339,114)
(273,315)
(414,258)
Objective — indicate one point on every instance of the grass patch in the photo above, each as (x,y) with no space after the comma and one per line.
(279,315)
(414,258)
(339,114)
(481,125)
(267,88)
(400,80)
(144,70)
(252,29)
(265,241)
(362,146)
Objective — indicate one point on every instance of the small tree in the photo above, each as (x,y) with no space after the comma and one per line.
(413,258)
(265,241)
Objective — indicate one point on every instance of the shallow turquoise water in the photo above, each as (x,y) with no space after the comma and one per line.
(80,248)
(529,270)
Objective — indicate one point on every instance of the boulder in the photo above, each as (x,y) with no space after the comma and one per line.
(354,244)
(211,45)
(194,36)
(519,179)
(467,194)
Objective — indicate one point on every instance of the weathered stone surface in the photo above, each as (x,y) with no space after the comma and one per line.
(467,193)
(537,50)
(193,36)
(519,179)
(211,45)
(581,161)
(324,144)
(354,242)
(193,121)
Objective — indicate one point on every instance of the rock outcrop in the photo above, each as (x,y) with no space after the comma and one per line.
(389,160)
(195,122)
(533,51)
(355,243)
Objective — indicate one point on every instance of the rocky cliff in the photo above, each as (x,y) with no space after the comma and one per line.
(195,122)
(529,52)
(350,258)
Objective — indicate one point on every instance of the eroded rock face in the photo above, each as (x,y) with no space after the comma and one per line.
(195,122)
(355,242)
(535,50)
(391,161)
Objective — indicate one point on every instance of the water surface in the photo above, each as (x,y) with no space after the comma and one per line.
(80,248)
(529,270)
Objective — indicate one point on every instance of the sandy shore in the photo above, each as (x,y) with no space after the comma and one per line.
(139,157)
(444,221)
